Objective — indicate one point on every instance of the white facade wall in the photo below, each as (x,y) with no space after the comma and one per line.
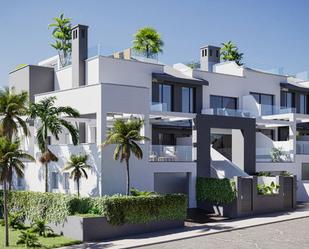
(63,78)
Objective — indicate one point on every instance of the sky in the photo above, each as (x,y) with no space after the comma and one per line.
(270,33)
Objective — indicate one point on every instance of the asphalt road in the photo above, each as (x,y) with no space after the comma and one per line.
(293,234)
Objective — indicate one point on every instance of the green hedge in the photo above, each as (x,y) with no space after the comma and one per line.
(217,191)
(117,209)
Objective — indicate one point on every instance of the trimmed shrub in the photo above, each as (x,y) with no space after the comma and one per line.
(216,191)
(117,209)
(143,209)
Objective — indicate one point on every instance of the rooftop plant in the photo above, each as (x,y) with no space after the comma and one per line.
(148,42)
(62,36)
(229,52)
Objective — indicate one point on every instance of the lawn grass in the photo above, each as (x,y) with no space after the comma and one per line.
(49,242)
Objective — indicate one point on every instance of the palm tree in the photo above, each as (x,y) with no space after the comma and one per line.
(126,135)
(229,52)
(148,41)
(11,157)
(13,107)
(62,36)
(51,122)
(40,227)
(78,165)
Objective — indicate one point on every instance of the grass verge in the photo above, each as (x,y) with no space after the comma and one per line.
(49,242)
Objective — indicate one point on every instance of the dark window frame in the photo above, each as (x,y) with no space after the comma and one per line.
(222,99)
(161,95)
(192,93)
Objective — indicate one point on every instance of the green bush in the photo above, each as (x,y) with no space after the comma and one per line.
(136,192)
(117,209)
(143,209)
(217,191)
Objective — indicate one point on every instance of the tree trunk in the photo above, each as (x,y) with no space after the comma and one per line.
(46,177)
(5,213)
(46,163)
(77,182)
(147,51)
(128,178)
(10,178)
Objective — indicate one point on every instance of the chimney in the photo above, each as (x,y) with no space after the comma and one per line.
(79,54)
(209,55)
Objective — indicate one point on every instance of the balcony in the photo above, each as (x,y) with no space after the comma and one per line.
(266,110)
(266,155)
(228,112)
(170,153)
(158,107)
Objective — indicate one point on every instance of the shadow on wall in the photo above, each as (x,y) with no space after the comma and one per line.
(303,191)
(92,150)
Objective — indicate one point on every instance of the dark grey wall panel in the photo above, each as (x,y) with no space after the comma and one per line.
(203,125)
(168,183)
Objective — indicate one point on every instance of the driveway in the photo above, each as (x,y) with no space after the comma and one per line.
(291,234)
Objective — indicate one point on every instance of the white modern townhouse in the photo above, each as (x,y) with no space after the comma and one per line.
(221,120)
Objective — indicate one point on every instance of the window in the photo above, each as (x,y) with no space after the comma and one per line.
(305,171)
(210,52)
(54,180)
(66,183)
(303,103)
(165,96)
(287,99)
(217,53)
(266,101)
(205,52)
(20,182)
(187,99)
(218,102)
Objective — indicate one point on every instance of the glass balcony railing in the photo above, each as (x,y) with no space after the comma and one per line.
(159,107)
(265,155)
(266,110)
(302,147)
(170,153)
(228,112)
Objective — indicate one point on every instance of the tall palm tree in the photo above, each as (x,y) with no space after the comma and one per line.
(126,135)
(78,165)
(62,36)
(13,106)
(229,52)
(148,41)
(51,121)
(11,157)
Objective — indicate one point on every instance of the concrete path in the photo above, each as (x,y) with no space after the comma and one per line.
(292,234)
(194,230)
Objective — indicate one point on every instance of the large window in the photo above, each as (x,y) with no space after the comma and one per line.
(305,171)
(303,103)
(66,182)
(187,99)
(266,101)
(287,100)
(55,180)
(165,96)
(218,102)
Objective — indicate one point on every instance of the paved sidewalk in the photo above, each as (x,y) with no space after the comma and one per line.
(194,230)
